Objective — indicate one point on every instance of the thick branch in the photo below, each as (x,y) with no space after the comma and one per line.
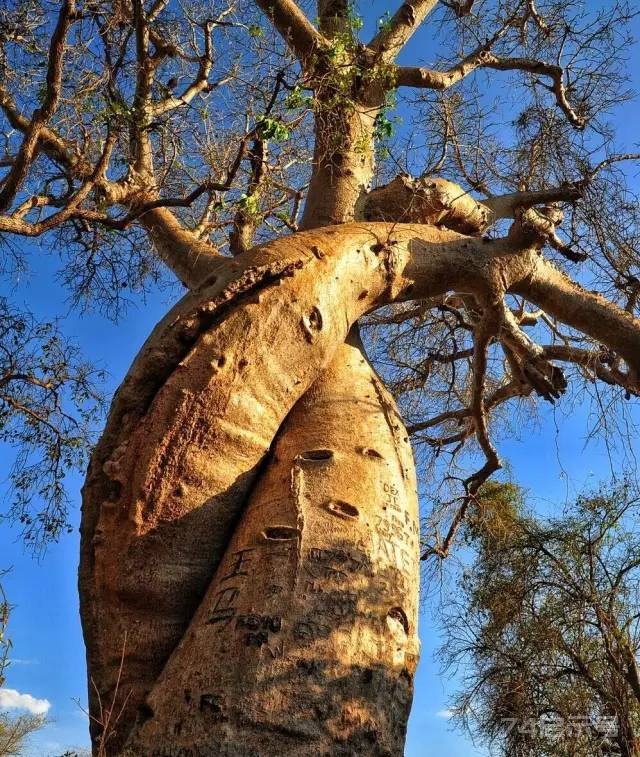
(592,361)
(190,258)
(401,27)
(296,29)
(505,206)
(408,76)
(41,115)
(583,310)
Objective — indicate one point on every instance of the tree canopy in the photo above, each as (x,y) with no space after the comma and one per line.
(545,629)
(253,152)
(135,131)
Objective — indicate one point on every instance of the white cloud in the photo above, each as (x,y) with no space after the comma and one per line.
(445,714)
(10,699)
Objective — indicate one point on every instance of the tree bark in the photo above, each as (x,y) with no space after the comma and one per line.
(306,641)
(343,163)
(188,434)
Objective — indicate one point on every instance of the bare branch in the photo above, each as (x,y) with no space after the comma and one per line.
(60,151)
(534,368)
(407,76)
(41,115)
(199,84)
(555,73)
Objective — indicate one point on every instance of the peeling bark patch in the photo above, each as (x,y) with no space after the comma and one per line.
(280,533)
(342,509)
(312,324)
(316,456)
(397,615)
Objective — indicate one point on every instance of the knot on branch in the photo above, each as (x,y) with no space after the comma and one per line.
(437,202)
(408,14)
(537,226)
(547,379)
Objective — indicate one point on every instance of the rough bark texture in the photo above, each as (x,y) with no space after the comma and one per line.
(434,201)
(190,428)
(306,641)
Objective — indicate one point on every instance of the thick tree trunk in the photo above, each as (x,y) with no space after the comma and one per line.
(306,641)
(192,425)
(189,430)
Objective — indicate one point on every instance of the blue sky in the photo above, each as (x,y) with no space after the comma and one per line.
(553,464)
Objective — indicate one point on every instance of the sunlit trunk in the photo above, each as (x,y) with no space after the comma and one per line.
(306,641)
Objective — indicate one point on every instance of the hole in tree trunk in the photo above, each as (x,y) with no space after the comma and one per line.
(397,615)
(145,712)
(312,323)
(368,452)
(211,702)
(342,509)
(280,533)
(316,455)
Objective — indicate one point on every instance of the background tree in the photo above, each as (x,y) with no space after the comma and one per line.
(50,404)
(545,627)
(14,731)
(208,127)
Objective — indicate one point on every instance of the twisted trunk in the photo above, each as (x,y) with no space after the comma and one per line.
(192,425)
(305,642)
(189,431)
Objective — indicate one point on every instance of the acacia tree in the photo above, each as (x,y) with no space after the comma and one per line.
(546,626)
(250,548)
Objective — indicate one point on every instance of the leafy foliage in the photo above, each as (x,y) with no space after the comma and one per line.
(546,630)
(49,405)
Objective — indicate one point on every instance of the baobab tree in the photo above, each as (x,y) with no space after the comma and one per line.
(250,541)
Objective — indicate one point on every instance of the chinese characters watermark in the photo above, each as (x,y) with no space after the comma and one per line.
(556,728)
